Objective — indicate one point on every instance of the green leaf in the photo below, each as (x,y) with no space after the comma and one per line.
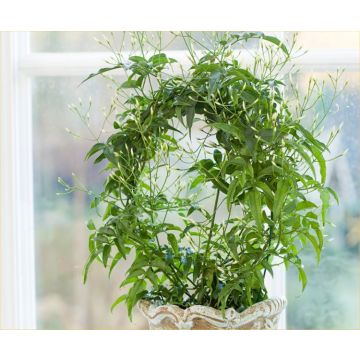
(161,59)
(280,196)
(308,136)
(159,263)
(105,254)
(320,238)
(90,225)
(102,71)
(232,244)
(217,156)
(254,202)
(267,135)
(190,114)
(173,242)
(305,205)
(153,278)
(118,301)
(132,278)
(333,193)
(214,81)
(107,212)
(267,192)
(302,277)
(89,261)
(134,295)
(268,267)
(271,170)
(130,84)
(315,245)
(276,42)
(119,243)
(304,155)
(138,59)
(325,198)
(256,35)
(231,193)
(209,276)
(197,267)
(96,148)
(237,163)
(213,175)
(115,260)
(229,129)
(198,180)
(320,159)
(178,112)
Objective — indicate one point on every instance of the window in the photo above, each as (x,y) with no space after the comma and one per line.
(44,237)
(332,297)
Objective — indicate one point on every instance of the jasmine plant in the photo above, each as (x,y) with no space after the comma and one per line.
(212,170)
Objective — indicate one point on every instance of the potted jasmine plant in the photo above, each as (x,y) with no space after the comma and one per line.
(213,179)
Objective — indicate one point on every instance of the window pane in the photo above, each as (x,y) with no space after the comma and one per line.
(60,230)
(87,41)
(328,39)
(332,297)
(64,41)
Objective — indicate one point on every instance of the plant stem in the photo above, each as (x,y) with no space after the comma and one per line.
(210,235)
(212,223)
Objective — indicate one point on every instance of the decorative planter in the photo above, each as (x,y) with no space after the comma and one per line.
(260,316)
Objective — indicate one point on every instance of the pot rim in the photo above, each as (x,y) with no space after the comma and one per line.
(266,308)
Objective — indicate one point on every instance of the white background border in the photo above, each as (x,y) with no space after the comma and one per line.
(237,15)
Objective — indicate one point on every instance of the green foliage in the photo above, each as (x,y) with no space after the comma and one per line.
(253,152)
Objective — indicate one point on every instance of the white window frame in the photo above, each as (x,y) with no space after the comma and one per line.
(17,256)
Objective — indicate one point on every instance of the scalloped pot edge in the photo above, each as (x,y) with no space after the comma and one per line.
(260,316)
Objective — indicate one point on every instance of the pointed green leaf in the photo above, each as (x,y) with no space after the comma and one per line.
(229,129)
(89,261)
(118,301)
(325,198)
(115,260)
(269,195)
(102,71)
(91,225)
(190,114)
(173,243)
(315,245)
(305,205)
(198,180)
(333,193)
(231,193)
(320,159)
(254,202)
(96,148)
(302,277)
(106,254)
(280,196)
(303,154)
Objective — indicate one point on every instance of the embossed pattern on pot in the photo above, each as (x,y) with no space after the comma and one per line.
(260,316)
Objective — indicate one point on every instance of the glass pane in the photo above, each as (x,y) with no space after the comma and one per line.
(63,302)
(328,39)
(64,41)
(87,41)
(331,299)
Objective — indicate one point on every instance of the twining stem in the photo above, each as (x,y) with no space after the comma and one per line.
(210,235)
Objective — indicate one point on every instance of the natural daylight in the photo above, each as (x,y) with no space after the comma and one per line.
(179,180)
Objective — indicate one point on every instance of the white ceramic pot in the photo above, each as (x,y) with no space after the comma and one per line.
(262,315)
